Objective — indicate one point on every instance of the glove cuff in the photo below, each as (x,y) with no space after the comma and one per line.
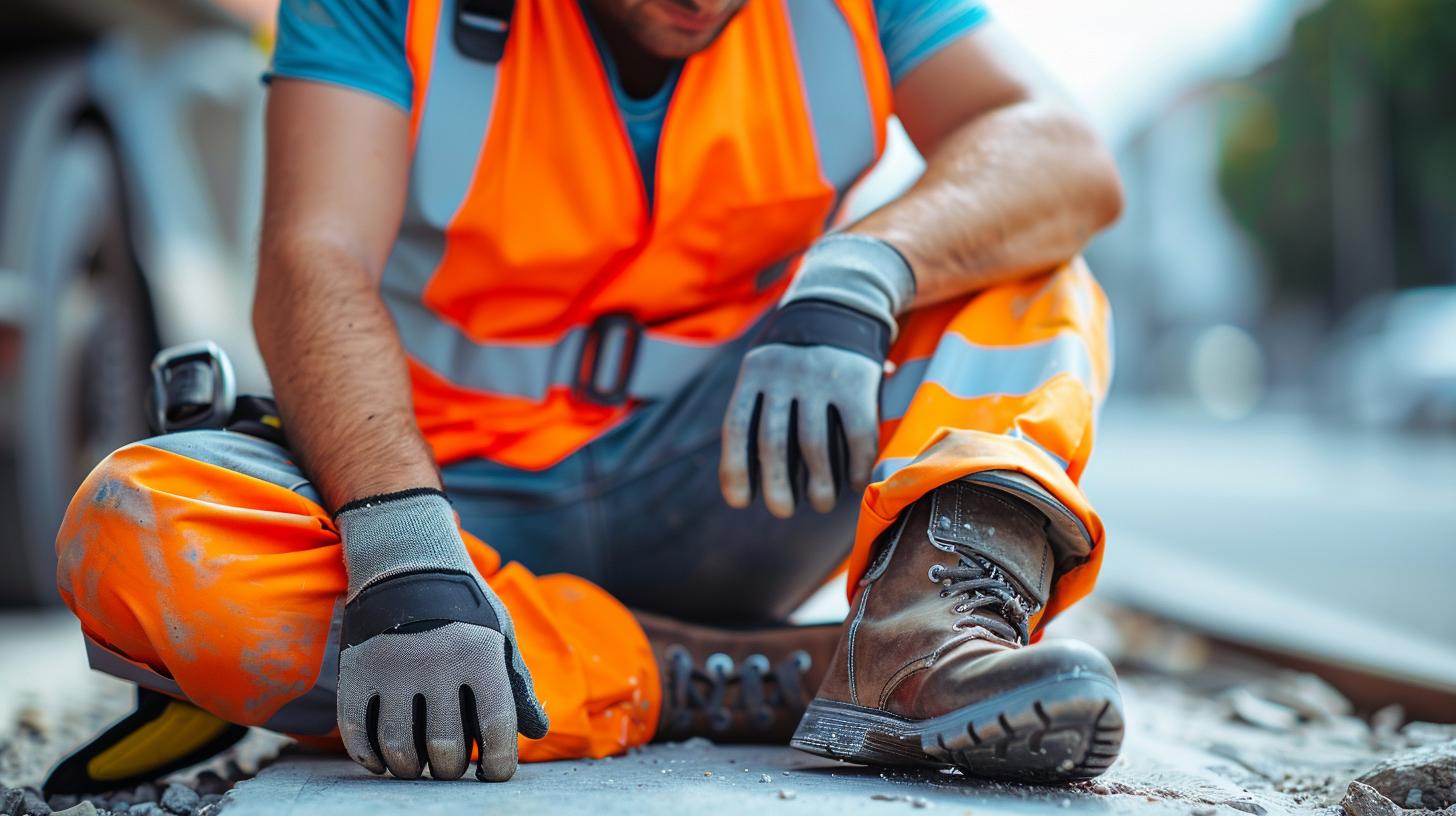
(864,273)
(409,531)
(823,323)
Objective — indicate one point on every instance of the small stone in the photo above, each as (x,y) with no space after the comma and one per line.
(211,798)
(79,809)
(1308,694)
(1385,722)
(919,802)
(1255,710)
(707,773)
(209,782)
(786,773)
(10,799)
(1247,807)
(1204,810)
(63,801)
(120,807)
(31,804)
(146,809)
(180,799)
(1413,799)
(765,778)
(784,793)
(1424,733)
(1363,800)
(1431,770)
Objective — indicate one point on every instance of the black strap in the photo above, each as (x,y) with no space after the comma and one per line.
(416,602)
(812,322)
(258,416)
(482,27)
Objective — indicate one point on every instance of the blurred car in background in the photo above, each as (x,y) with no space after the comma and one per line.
(1393,362)
(129,164)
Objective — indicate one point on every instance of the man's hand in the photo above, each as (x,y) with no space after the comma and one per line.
(429,662)
(808,391)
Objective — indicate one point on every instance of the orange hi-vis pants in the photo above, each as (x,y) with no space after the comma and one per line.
(202,564)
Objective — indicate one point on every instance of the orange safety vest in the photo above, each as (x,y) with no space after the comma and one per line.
(537,296)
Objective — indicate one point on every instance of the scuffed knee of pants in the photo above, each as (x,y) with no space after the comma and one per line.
(111,509)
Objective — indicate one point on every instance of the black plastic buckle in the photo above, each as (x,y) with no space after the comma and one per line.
(482,28)
(192,387)
(618,335)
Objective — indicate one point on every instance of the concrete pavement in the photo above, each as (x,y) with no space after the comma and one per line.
(1209,739)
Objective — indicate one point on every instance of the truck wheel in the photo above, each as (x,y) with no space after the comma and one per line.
(85,340)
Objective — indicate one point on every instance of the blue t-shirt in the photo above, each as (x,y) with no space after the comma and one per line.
(360,44)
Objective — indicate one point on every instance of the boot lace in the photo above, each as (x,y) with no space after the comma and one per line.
(761,687)
(989,600)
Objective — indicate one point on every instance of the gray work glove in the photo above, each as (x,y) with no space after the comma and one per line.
(804,416)
(429,662)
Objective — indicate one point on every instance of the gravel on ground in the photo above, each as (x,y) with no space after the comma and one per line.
(1209,731)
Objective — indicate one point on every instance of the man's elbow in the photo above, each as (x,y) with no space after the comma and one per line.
(313,259)
(1105,195)
(275,259)
(1099,181)
(301,266)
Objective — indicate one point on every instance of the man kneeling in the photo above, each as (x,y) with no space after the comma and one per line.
(573,279)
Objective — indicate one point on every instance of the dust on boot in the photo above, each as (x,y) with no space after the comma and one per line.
(934,668)
(736,685)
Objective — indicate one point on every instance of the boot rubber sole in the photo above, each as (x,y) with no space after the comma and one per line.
(1063,728)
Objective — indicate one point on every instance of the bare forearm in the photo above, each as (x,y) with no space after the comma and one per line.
(1010,194)
(339,375)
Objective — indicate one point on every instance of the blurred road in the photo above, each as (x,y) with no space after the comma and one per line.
(1298,535)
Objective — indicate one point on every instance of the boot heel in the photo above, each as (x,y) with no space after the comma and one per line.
(857,734)
(829,733)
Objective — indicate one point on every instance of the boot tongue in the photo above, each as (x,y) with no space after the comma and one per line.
(981,524)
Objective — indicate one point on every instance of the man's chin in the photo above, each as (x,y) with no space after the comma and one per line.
(676,46)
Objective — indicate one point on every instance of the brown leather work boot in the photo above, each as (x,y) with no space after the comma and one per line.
(934,669)
(731,685)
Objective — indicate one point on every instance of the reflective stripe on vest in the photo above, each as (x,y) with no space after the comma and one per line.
(451,130)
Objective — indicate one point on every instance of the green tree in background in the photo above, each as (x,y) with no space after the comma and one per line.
(1340,157)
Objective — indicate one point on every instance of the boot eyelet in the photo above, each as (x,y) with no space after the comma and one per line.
(719,664)
(936,570)
(802,661)
(961,609)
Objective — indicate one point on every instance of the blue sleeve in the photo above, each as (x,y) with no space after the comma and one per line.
(912,30)
(355,43)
